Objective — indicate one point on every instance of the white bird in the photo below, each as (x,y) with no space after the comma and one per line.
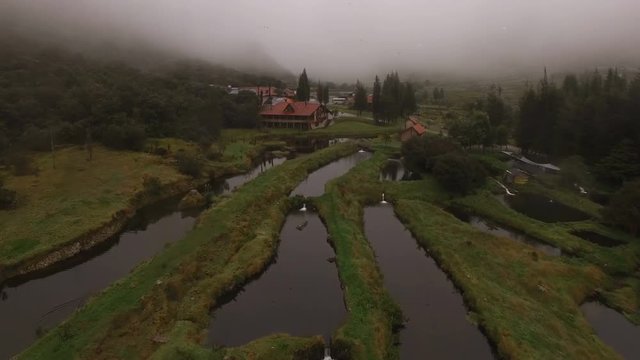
(304,207)
(383,200)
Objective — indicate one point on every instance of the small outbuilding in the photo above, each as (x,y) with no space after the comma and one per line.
(412,128)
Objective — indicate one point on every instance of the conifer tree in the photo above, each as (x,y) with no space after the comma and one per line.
(376,103)
(303,91)
(360,98)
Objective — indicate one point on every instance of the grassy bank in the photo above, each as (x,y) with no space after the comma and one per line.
(526,303)
(233,241)
(61,204)
(368,331)
(354,128)
(615,260)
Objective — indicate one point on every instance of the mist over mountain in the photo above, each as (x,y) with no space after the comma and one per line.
(345,40)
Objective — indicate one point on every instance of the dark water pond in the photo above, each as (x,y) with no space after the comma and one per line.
(314,184)
(298,294)
(392,170)
(598,239)
(492,228)
(32,305)
(543,208)
(614,329)
(437,326)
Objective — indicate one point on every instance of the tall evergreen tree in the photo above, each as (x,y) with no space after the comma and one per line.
(303,91)
(409,105)
(376,101)
(360,98)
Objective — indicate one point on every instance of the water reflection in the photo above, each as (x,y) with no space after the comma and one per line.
(614,329)
(299,294)
(314,184)
(437,326)
(31,305)
(392,170)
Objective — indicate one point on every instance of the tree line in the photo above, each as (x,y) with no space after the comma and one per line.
(51,95)
(594,116)
(392,99)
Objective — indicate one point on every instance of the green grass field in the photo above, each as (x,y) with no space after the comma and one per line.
(60,204)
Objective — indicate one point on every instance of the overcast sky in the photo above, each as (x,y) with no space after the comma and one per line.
(341,40)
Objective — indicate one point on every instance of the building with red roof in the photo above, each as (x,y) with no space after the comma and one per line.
(294,115)
(412,128)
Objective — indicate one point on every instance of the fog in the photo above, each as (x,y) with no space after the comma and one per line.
(343,40)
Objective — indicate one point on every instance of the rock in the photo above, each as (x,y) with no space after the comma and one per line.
(331,259)
(191,200)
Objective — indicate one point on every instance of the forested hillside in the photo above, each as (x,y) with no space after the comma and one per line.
(50,93)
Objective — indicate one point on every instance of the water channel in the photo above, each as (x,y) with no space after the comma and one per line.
(300,292)
(489,227)
(437,326)
(314,184)
(32,306)
(614,329)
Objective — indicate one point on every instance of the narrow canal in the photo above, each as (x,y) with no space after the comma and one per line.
(614,329)
(492,228)
(437,326)
(314,184)
(300,292)
(29,308)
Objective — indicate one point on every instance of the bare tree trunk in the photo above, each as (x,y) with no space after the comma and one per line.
(88,146)
(53,153)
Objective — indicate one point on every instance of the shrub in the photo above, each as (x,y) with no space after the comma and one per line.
(151,184)
(124,137)
(36,139)
(491,164)
(75,133)
(459,173)
(22,165)
(574,171)
(420,152)
(189,164)
(624,208)
(7,197)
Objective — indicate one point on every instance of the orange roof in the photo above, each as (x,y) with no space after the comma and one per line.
(300,108)
(414,120)
(419,128)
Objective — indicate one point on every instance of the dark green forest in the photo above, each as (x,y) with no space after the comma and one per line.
(47,92)
(594,116)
